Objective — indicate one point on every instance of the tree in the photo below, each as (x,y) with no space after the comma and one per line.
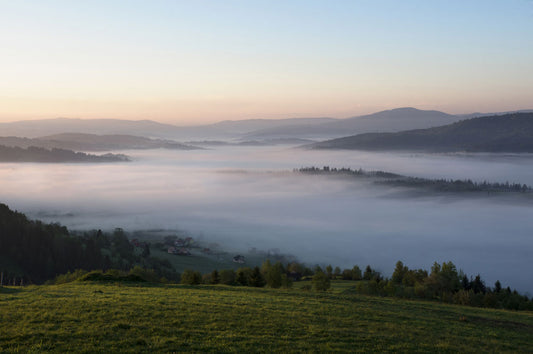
(337,272)
(329,271)
(321,281)
(399,273)
(369,273)
(274,274)
(243,276)
(215,277)
(347,274)
(497,286)
(478,285)
(227,277)
(146,250)
(356,273)
(256,278)
(443,279)
(190,277)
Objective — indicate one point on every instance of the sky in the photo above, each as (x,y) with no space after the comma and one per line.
(196,62)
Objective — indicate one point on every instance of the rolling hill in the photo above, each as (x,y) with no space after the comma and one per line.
(93,142)
(147,128)
(505,133)
(37,154)
(386,121)
(262,131)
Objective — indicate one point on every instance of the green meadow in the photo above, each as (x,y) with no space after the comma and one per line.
(137,317)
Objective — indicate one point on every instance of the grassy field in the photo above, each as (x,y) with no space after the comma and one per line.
(89,317)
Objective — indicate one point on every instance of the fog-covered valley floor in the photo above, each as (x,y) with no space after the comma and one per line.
(245,197)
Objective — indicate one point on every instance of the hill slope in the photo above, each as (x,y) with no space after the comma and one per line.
(505,133)
(37,154)
(93,142)
(386,121)
(147,128)
(100,317)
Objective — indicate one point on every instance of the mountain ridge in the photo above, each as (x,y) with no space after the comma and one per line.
(504,133)
(393,120)
(93,142)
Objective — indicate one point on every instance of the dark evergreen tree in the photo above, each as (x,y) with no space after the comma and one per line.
(256,278)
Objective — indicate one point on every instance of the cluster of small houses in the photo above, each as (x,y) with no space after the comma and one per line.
(182,247)
(138,243)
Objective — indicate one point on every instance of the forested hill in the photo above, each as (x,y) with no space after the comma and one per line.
(504,133)
(93,142)
(36,154)
(35,251)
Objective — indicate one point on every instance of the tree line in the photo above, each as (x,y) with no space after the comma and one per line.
(441,185)
(442,283)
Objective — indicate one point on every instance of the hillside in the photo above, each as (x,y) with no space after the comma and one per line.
(36,154)
(386,121)
(148,128)
(505,133)
(107,317)
(265,131)
(93,142)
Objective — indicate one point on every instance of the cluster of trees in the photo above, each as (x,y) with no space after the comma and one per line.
(37,154)
(272,275)
(444,283)
(345,171)
(442,185)
(34,252)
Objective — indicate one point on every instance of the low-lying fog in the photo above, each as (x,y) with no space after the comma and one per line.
(237,196)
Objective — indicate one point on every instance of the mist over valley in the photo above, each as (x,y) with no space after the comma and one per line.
(246,197)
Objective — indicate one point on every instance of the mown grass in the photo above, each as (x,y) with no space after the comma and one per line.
(100,317)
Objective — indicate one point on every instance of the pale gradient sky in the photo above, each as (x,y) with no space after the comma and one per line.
(188,62)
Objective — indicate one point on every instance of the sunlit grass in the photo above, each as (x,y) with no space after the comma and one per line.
(117,317)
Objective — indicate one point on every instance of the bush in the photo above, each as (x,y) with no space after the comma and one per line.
(190,277)
(227,277)
(68,277)
(112,275)
(321,281)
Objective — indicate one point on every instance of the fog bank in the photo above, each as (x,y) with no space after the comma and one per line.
(247,197)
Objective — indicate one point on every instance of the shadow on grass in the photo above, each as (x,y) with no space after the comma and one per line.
(10,290)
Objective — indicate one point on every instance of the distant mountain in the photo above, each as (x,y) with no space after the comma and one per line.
(36,154)
(263,142)
(505,133)
(147,128)
(92,142)
(262,130)
(251,125)
(386,121)
(36,128)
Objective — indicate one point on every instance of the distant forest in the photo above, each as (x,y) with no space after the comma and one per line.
(440,185)
(36,154)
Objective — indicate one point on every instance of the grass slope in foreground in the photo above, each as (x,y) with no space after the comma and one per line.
(131,317)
